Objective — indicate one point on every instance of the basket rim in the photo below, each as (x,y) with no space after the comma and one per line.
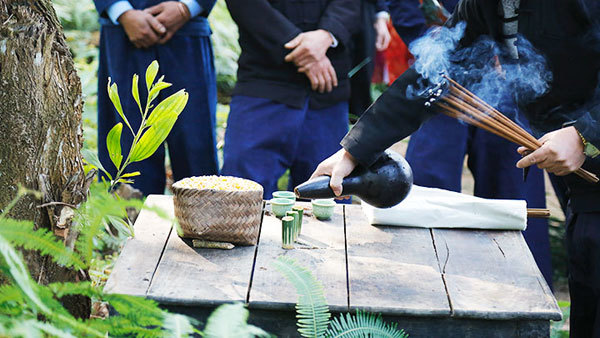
(261,188)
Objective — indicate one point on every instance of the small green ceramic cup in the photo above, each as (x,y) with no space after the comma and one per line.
(296,219)
(280,206)
(323,209)
(287,232)
(300,212)
(284,194)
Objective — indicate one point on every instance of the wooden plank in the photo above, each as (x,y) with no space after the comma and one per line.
(324,255)
(492,275)
(393,270)
(137,262)
(189,276)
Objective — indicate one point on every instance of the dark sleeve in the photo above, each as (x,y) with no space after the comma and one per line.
(396,114)
(207,6)
(381,6)
(340,18)
(265,25)
(589,123)
(103,5)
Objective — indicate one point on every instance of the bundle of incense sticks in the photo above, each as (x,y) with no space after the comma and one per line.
(459,103)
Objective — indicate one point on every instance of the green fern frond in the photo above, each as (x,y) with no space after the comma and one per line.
(81,288)
(42,327)
(118,326)
(364,324)
(22,233)
(11,300)
(17,271)
(178,325)
(137,309)
(311,308)
(231,320)
(92,215)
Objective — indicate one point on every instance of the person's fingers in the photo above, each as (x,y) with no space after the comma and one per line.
(154,10)
(387,38)
(545,138)
(293,43)
(522,150)
(328,80)
(303,60)
(336,180)
(165,38)
(158,27)
(333,75)
(535,157)
(379,42)
(295,55)
(321,80)
(314,82)
(323,169)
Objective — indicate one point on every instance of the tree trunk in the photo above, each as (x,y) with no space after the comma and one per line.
(40,128)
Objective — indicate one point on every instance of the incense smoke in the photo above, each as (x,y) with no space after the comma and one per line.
(483,67)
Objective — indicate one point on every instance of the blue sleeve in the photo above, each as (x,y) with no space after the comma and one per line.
(193,6)
(115,10)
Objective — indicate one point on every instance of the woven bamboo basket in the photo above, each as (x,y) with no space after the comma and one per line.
(216,214)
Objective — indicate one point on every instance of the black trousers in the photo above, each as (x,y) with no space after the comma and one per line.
(583,245)
(362,50)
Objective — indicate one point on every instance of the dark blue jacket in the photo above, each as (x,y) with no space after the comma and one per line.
(266,25)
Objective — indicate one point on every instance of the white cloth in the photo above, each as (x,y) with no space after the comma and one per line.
(438,208)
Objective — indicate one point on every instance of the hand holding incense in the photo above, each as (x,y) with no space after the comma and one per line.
(460,103)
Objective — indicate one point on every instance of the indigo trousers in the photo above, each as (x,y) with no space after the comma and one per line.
(264,138)
(186,61)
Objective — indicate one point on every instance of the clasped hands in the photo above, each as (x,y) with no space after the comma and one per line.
(309,55)
(155,24)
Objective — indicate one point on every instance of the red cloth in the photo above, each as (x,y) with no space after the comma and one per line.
(392,62)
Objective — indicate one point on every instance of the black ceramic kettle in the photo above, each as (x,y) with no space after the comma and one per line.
(382,185)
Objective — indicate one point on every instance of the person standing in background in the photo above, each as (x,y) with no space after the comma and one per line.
(372,36)
(436,151)
(177,35)
(289,108)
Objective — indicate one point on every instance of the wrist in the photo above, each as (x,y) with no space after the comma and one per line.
(184,11)
(124,17)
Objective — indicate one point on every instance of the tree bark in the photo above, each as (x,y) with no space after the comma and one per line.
(40,128)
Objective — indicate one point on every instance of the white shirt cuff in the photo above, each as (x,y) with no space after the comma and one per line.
(115,10)
(335,41)
(383,14)
(193,6)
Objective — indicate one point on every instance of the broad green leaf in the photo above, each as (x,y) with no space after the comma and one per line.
(92,158)
(152,139)
(113,144)
(173,104)
(151,74)
(133,174)
(135,91)
(156,90)
(113,94)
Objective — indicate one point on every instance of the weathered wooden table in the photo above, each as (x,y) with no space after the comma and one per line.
(433,282)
